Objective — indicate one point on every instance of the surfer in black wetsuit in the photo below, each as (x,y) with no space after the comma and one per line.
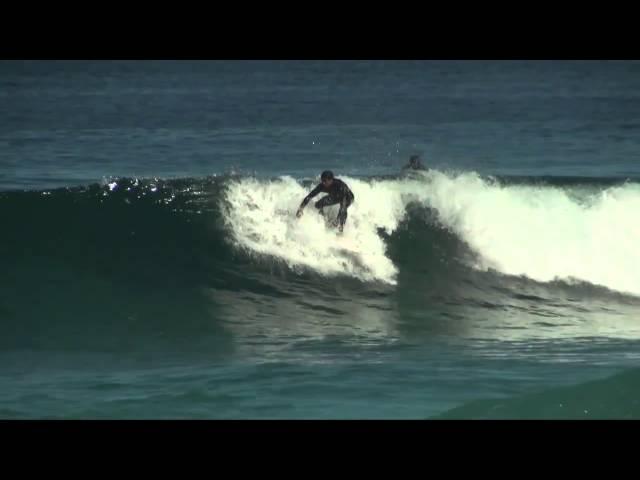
(338,192)
(414,163)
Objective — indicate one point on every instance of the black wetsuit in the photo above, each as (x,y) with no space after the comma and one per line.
(338,192)
(413,165)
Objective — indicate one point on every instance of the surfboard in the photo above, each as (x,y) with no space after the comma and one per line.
(346,246)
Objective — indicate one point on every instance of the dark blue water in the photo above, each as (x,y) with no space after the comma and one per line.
(152,266)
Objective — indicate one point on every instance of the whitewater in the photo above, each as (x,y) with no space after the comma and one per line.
(572,233)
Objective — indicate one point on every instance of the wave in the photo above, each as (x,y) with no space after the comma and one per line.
(583,232)
(432,222)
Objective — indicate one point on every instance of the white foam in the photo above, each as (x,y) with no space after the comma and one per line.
(261,216)
(544,233)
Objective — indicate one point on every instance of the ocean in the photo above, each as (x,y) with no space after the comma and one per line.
(153,266)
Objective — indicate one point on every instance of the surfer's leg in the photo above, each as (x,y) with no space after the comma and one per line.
(325,202)
(342,214)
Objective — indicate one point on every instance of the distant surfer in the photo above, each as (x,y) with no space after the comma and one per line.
(414,163)
(338,192)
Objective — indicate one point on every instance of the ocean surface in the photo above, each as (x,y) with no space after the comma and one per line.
(152,265)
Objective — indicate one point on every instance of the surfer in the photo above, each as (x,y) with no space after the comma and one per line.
(338,192)
(414,163)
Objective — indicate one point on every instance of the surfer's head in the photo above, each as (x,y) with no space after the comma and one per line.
(327,178)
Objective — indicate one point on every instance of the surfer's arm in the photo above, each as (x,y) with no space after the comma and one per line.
(312,194)
(340,219)
(306,200)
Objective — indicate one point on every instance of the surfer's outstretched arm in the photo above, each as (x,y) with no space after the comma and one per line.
(306,200)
